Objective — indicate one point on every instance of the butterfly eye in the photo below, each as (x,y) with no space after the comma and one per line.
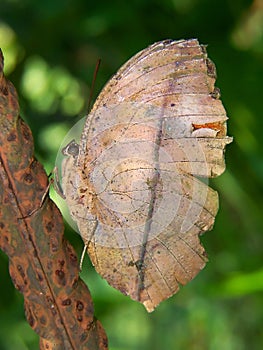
(72,149)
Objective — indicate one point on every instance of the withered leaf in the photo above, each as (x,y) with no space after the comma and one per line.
(134,188)
(42,264)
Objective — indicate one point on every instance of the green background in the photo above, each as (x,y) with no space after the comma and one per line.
(51,48)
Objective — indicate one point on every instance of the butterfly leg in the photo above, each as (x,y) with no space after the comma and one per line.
(41,202)
(82,256)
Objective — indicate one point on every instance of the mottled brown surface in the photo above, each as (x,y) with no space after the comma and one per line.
(132,189)
(42,264)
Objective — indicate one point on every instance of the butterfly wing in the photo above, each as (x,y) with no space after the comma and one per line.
(156,127)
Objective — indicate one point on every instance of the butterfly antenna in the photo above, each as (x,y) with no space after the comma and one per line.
(93,84)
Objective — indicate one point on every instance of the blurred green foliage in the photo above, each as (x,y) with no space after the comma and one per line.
(51,48)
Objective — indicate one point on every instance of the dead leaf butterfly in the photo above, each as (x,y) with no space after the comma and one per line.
(135,184)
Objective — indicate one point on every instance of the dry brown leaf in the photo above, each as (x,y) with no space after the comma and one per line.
(133,188)
(42,264)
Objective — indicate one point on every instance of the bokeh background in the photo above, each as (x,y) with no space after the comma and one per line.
(51,48)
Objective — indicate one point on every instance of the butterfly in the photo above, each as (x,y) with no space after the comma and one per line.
(137,182)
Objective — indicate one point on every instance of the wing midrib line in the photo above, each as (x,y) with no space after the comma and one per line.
(156,176)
